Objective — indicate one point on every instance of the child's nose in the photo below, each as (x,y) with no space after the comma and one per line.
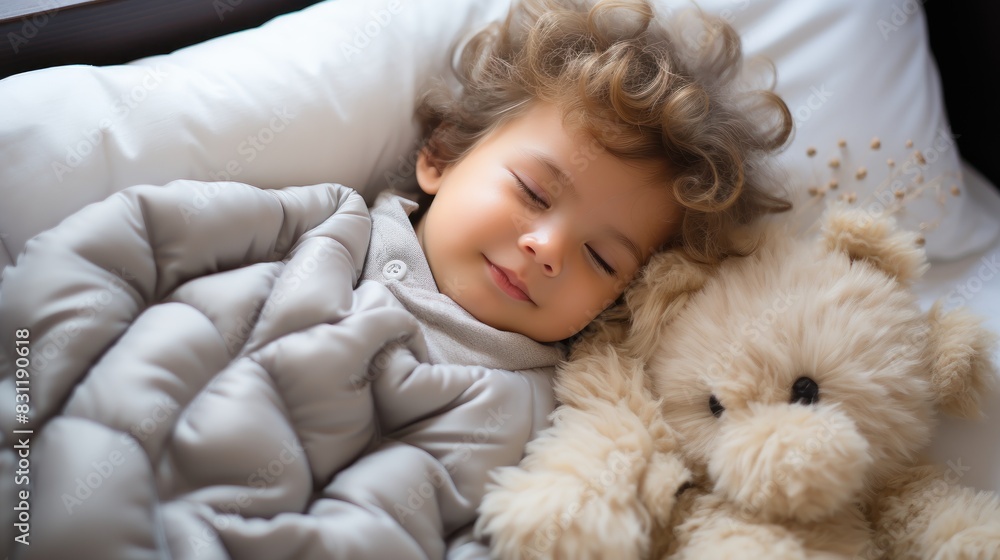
(544,249)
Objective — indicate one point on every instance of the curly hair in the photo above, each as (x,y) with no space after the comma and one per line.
(643,88)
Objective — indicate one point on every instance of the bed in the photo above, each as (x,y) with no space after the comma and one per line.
(326,95)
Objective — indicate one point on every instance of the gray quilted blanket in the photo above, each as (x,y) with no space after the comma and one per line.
(193,371)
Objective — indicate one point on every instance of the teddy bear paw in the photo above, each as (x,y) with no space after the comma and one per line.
(973,543)
(743,546)
(541,515)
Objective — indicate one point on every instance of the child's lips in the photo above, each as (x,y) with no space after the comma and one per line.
(508,282)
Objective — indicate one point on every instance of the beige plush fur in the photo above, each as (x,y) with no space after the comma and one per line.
(773,407)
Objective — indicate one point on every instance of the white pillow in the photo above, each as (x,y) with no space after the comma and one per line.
(327,94)
(856,71)
(324,94)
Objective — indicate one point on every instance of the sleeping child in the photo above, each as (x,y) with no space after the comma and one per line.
(289,374)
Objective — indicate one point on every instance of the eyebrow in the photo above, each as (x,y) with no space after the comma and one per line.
(564,179)
(552,167)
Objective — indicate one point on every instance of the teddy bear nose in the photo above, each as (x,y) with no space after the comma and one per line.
(782,461)
(805,391)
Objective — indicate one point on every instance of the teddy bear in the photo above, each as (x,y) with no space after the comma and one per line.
(775,405)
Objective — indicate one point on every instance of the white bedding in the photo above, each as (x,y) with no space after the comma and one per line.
(328,94)
(971,448)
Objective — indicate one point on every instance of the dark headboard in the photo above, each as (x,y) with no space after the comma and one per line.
(966,44)
(41,33)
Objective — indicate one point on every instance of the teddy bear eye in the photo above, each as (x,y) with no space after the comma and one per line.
(805,391)
(715,406)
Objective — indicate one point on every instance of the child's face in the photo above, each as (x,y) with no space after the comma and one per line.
(544,258)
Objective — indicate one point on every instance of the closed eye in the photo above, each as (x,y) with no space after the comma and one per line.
(540,202)
(601,262)
(531,195)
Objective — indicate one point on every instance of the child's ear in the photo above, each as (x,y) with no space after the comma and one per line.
(429,172)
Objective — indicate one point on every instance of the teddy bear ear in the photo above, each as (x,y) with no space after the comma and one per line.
(875,239)
(662,289)
(962,371)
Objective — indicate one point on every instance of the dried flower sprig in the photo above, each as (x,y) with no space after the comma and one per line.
(903,184)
